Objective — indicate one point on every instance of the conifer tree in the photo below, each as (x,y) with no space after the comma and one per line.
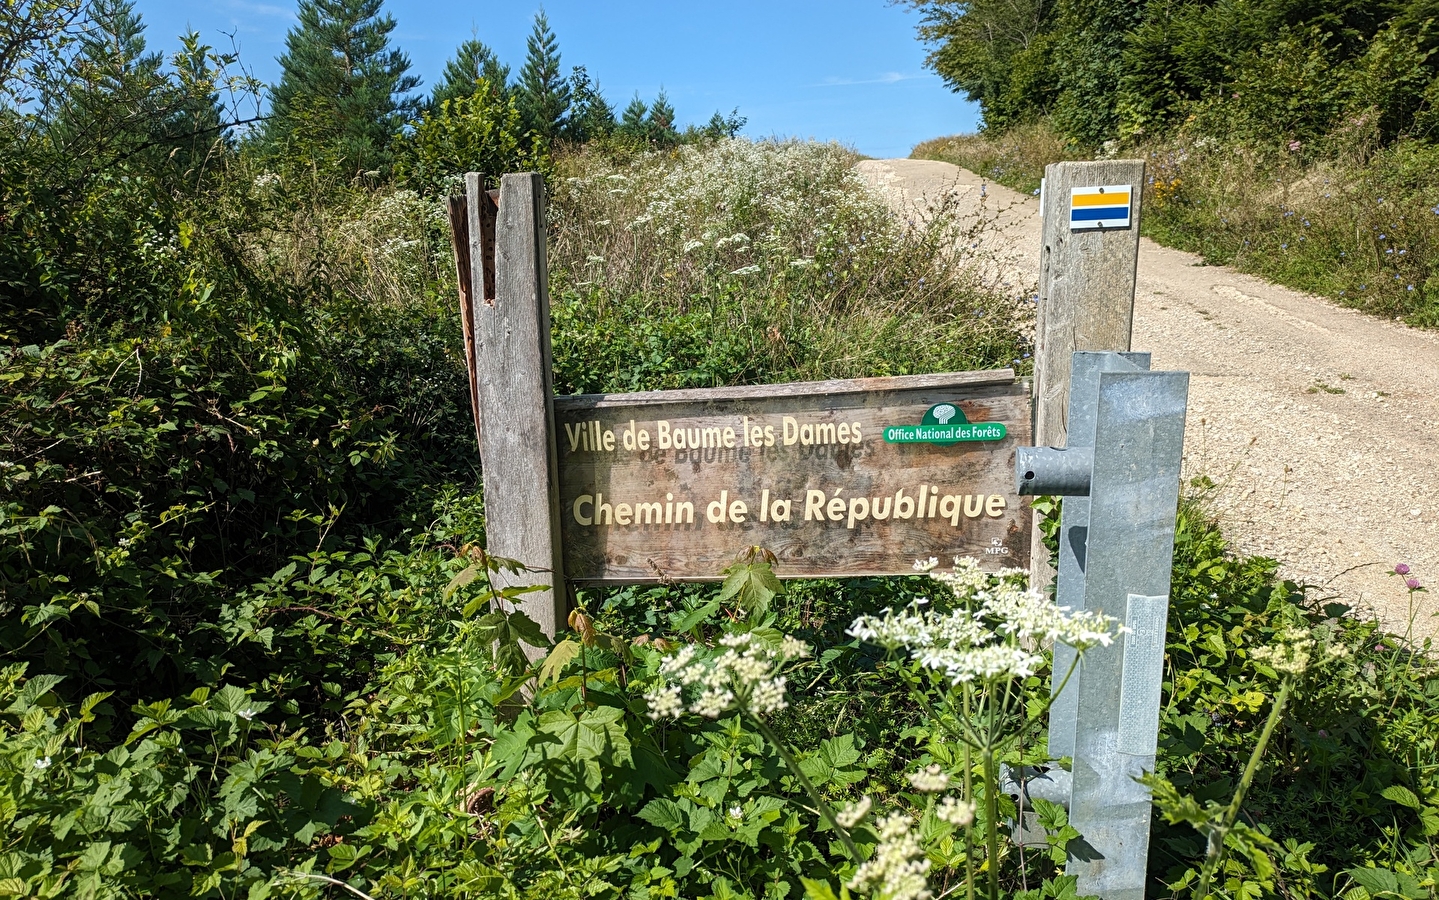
(632,121)
(543,94)
(343,91)
(114,91)
(591,116)
(662,117)
(472,62)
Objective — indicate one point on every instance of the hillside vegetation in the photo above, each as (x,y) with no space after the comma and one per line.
(1294,140)
(249,642)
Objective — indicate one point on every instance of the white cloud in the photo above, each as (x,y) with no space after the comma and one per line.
(886,78)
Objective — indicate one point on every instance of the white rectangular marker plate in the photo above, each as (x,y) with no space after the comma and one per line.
(1143,672)
(1100,207)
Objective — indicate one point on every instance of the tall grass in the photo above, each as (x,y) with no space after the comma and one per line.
(1360,229)
(1015,158)
(742,261)
(1346,219)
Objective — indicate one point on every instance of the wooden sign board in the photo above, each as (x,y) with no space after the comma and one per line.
(837,478)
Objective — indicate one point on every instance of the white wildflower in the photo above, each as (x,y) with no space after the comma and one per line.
(712,703)
(982,663)
(1295,650)
(984,640)
(930,780)
(793,648)
(736,813)
(691,246)
(742,673)
(803,263)
(926,565)
(266,181)
(897,869)
(664,702)
(42,764)
(1028,614)
(746,270)
(853,813)
(246,714)
(955,811)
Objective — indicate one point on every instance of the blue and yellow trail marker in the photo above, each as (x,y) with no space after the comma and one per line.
(1105,206)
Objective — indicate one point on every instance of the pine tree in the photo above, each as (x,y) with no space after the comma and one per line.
(662,114)
(114,91)
(472,62)
(343,92)
(632,122)
(591,116)
(661,121)
(543,94)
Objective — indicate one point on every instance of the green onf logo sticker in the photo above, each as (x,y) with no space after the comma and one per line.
(944,423)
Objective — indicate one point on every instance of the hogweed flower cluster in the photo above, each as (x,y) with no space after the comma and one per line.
(742,673)
(982,641)
(854,813)
(955,811)
(1296,650)
(929,780)
(898,867)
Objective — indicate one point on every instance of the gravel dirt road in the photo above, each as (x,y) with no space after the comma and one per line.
(1318,425)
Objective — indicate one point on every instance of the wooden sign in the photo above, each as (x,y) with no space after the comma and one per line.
(837,478)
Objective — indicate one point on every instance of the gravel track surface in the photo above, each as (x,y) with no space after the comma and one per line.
(1318,425)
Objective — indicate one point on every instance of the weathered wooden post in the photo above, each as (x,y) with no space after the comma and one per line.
(514,387)
(1088,258)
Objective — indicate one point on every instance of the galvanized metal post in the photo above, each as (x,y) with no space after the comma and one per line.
(1074,532)
(1122,557)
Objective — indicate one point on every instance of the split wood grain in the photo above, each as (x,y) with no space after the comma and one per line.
(512,347)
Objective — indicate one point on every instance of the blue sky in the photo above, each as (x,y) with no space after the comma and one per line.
(846,70)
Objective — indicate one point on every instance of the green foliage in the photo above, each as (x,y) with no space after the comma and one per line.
(1270,72)
(472,63)
(591,116)
(1363,231)
(542,92)
(343,91)
(478,132)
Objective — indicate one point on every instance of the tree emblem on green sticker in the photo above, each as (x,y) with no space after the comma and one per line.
(944,424)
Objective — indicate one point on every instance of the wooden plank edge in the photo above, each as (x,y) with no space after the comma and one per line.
(836,387)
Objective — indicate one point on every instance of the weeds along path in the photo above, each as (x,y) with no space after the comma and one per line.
(1319,426)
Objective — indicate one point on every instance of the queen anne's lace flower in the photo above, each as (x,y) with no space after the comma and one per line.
(742,673)
(930,780)
(853,813)
(898,867)
(955,811)
(984,640)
